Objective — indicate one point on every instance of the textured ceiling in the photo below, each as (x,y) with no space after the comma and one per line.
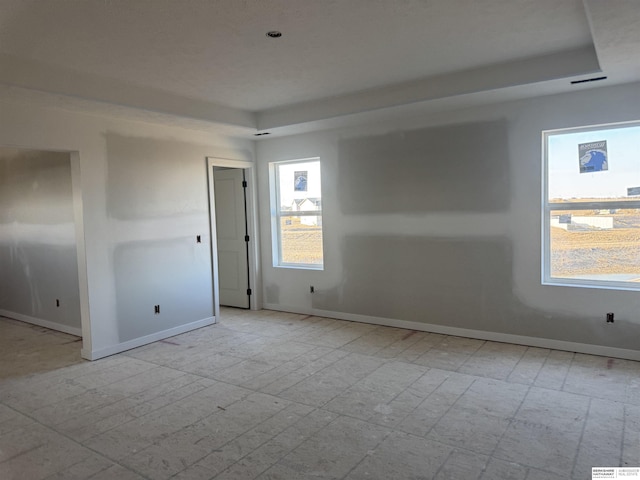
(210,60)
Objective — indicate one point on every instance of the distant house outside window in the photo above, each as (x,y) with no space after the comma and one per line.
(591,214)
(296,197)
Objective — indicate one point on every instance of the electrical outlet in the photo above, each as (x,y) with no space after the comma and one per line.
(57,302)
(198,239)
(157,309)
(610,317)
(312,289)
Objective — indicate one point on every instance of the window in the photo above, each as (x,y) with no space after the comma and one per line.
(591,212)
(296,213)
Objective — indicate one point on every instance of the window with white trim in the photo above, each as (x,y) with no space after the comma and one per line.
(296,213)
(591,214)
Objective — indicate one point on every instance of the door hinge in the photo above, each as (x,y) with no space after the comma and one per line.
(248,291)
(244,184)
(246,238)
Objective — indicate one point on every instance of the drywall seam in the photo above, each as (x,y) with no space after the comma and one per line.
(42,323)
(469,333)
(140,341)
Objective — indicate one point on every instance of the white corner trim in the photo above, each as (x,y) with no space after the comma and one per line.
(138,342)
(43,323)
(600,350)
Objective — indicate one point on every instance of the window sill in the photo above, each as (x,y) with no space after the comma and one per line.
(625,286)
(301,267)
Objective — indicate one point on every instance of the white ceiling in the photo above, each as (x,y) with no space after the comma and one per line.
(210,62)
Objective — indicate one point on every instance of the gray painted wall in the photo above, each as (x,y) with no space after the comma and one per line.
(157,200)
(435,169)
(38,261)
(139,198)
(437,220)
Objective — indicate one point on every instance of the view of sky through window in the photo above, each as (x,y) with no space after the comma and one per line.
(565,182)
(287,182)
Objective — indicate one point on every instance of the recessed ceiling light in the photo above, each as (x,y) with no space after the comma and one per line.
(274,34)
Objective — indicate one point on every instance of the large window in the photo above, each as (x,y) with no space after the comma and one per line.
(296,212)
(592,207)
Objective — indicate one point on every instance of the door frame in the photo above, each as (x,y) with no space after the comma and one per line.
(252,229)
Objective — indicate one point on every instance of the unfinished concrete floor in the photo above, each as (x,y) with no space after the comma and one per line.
(274,396)
(27,349)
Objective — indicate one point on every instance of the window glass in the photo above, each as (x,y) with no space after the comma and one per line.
(297,216)
(592,207)
(594,165)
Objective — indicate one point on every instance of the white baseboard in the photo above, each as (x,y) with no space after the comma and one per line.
(600,350)
(138,342)
(42,323)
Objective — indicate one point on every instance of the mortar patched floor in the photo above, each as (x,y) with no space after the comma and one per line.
(270,395)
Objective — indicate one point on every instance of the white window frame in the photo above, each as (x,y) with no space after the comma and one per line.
(548,206)
(277,215)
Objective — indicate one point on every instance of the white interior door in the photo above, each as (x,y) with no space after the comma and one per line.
(231,233)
